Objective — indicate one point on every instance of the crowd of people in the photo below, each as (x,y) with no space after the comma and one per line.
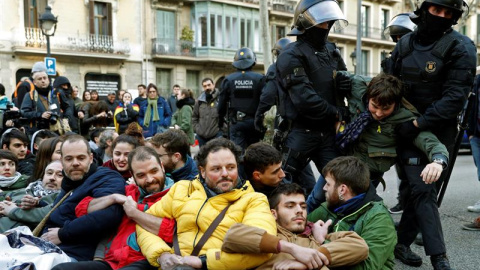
(113,183)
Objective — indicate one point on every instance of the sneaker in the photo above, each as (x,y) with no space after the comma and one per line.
(407,256)
(397,209)
(474,208)
(440,262)
(474,226)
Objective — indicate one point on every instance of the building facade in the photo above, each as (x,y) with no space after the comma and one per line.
(111,44)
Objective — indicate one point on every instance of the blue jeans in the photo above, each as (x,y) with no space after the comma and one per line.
(317,196)
(475,144)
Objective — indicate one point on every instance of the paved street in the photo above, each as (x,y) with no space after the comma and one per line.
(463,246)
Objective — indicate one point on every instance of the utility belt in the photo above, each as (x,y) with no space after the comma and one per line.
(323,127)
(240,116)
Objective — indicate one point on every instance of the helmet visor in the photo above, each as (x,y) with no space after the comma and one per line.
(402,20)
(324,12)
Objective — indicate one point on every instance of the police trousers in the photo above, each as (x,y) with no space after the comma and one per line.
(304,145)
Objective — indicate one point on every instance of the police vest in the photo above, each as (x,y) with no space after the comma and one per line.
(245,90)
(423,69)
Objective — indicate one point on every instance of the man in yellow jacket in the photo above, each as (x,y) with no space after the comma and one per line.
(196,204)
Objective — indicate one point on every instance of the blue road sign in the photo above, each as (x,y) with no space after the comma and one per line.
(51,64)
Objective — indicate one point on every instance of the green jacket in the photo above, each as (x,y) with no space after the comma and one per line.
(21,183)
(374,224)
(21,217)
(377,144)
(183,118)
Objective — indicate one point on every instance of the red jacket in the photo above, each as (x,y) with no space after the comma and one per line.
(119,252)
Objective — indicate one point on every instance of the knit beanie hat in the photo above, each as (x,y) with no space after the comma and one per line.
(39,67)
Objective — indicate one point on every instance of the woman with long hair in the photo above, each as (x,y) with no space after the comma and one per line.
(48,151)
(97,116)
(94,95)
(125,113)
(182,118)
(122,146)
(86,96)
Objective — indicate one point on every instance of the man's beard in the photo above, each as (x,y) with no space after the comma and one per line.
(148,188)
(296,228)
(333,201)
(217,189)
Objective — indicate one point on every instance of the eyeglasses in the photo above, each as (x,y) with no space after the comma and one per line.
(166,154)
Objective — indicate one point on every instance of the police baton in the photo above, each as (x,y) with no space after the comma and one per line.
(462,126)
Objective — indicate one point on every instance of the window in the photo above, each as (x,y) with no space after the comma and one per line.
(278,33)
(365,21)
(100,18)
(202,20)
(164,81)
(478,28)
(384,20)
(364,66)
(165,25)
(32,10)
(193,81)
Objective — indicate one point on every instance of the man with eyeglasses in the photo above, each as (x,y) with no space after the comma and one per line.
(173,148)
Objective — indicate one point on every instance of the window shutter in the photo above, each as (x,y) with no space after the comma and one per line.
(91,15)
(109,18)
(26,13)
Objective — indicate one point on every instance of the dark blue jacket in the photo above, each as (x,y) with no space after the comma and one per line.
(155,127)
(189,171)
(80,236)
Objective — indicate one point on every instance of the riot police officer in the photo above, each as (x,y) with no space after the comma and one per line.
(437,66)
(270,94)
(309,70)
(399,26)
(242,90)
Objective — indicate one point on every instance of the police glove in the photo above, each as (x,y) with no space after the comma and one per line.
(259,124)
(343,114)
(407,130)
(343,82)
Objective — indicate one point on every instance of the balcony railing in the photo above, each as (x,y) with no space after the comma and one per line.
(84,43)
(367,32)
(163,46)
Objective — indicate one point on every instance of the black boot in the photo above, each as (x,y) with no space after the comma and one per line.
(406,256)
(440,262)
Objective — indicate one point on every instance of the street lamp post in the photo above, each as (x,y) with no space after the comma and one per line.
(353,55)
(48,24)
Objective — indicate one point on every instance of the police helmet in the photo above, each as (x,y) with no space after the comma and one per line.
(458,6)
(399,26)
(309,13)
(280,45)
(244,59)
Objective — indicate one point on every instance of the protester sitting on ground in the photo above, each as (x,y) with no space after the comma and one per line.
(10,179)
(263,167)
(122,146)
(182,118)
(17,142)
(38,137)
(28,206)
(299,244)
(135,131)
(79,237)
(374,135)
(94,137)
(150,186)
(125,113)
(105,149)
(173,148)
(48,151)
(353,204)
(196,204)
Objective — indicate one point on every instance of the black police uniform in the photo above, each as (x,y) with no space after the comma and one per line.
(307,73)
(437,78)
(242,89)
